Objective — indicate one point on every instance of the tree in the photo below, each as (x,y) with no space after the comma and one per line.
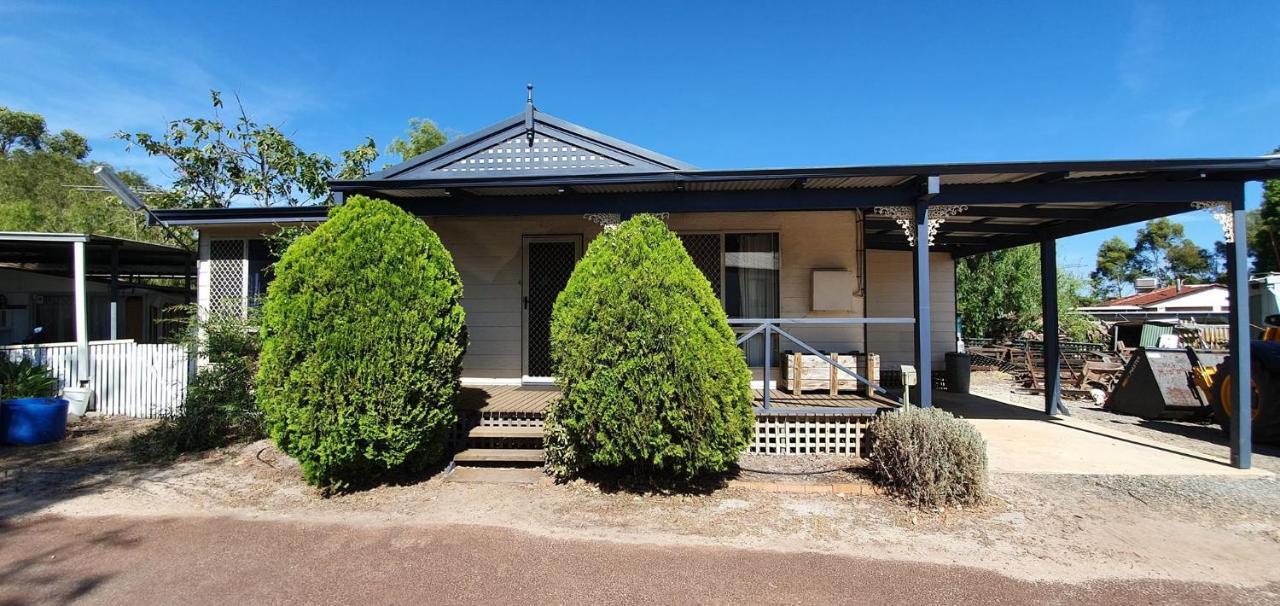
(1160,250)
(652,381)
(998,295)
(1264,229)
(363,334)
(68,143)
(423,136)
(1112,272)
(219,164)
(19,128)
(36,170)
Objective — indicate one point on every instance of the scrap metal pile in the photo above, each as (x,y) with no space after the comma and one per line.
(1086,370)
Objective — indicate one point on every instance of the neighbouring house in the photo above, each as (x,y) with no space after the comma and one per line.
(38,288)
(99,312)
(1143,318)
(814,259)
(1200,303)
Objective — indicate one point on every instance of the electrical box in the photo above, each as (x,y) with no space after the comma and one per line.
(832,290)
(908,375)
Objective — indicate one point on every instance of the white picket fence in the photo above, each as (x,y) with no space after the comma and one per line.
(127,378)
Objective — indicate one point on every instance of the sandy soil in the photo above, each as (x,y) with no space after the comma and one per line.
(1068,529)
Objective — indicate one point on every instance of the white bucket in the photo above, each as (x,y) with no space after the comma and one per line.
(78,399)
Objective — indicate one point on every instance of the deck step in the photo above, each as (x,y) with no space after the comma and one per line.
(505,432)
(500,455)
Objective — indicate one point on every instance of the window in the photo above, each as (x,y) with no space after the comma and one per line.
(751,275)
(751,283)
(239,271)
(743,268)
(261,262)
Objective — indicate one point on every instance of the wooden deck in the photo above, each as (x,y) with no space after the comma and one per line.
(535,399)
(783,400)
(506,398)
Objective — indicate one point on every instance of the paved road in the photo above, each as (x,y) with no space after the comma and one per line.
(226,561)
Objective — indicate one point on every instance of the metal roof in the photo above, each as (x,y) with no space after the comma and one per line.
(1009,203)
(52,252)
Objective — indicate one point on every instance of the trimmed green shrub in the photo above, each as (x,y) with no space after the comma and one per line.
(219,407)
(929,457)
(653,382)
(363,336)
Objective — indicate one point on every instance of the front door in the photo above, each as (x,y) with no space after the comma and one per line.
(548,263)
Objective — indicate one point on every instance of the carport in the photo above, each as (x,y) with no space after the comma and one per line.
(80,257)
(1017,204)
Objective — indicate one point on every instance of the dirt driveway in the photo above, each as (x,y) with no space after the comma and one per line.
(1079,532)
(227,561)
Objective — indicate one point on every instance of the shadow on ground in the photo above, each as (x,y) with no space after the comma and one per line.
(53,574)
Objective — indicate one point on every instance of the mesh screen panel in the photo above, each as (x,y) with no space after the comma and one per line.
(226,278)
(550,265)
(705,251)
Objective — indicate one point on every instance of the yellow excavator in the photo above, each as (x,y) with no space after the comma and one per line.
(1215,383)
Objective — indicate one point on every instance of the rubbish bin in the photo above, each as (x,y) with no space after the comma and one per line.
(958,365)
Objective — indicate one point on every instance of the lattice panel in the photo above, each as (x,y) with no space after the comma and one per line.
(705,251)
(226,278)
(547,153)
(510,419)
(809,434)
(550,265)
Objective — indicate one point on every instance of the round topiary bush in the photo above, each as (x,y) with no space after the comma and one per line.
(653,382)
(362,346)
(929,457)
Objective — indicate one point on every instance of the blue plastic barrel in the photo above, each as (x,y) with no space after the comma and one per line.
(27,421)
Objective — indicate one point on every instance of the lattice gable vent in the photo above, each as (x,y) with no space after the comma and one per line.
(546,153)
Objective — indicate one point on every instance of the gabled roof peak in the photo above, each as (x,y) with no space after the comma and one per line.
(531,144)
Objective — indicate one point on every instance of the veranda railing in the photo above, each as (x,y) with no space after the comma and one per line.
(767,327)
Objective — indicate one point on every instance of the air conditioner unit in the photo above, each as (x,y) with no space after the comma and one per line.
(1146,284)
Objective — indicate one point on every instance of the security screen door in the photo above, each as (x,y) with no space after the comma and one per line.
(548,263)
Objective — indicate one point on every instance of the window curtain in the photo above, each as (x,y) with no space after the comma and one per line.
(751,283)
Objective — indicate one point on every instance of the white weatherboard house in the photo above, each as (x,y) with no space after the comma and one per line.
(1202,303)
(813,260)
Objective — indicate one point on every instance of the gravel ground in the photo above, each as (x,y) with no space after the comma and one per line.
(1062,529)
(117,560)
(1203,438)
(814,469)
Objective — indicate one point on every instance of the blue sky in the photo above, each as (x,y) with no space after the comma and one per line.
(735,84)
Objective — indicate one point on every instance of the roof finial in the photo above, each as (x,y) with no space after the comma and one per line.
(528,115)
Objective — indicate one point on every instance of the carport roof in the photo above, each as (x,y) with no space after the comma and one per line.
(52,252)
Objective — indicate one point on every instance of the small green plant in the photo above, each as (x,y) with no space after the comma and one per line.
(363,336)
(25,378)
(929,457)
(219,407)
(653,382)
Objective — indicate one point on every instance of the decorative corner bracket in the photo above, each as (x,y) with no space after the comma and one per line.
(1222,213)
(605,220)
(612,220)
(905,216)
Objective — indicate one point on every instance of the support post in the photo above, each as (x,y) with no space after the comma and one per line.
(114,320)
(924,328)
(82,312)
(1241,367)
(768,345)
(1049,310)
